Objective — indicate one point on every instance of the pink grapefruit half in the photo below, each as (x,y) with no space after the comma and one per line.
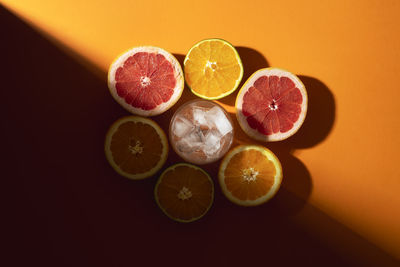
(271,105)
(146,80)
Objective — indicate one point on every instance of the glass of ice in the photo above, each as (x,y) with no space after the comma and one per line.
(201,131)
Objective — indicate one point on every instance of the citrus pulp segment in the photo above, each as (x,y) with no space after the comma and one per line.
(271,105)
(146,80)
(250,175)
(184,192)
(213,69)
(136,147)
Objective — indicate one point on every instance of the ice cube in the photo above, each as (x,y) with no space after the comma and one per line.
(191,141)
(199,115)
(184,146)
(196,136)
(182,126)
(212,143)
(216,116)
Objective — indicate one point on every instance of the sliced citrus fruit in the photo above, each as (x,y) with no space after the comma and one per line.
(146,80)
(250,175)
(184,192)
(213,69)
(136,147)
(271,105)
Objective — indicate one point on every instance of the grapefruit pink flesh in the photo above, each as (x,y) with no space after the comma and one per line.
(272,104)
(145,80)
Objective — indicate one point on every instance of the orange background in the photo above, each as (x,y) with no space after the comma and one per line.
(341,169)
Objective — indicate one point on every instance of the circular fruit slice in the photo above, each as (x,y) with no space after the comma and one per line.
(213,69)
(271,105)
(184,192)
(136,147)
(250,175)
(146,80)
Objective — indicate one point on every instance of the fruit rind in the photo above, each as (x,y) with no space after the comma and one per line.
(121,58)
(253,133)
(239,62)
(171,168)
(277,181)
(163,138)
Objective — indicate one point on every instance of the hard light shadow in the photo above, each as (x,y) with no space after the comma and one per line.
(70,206)
(252,61)
(320,115)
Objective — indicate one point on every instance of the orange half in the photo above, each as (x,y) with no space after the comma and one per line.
(136,147)
(213,69)
(184,192)
(250,175)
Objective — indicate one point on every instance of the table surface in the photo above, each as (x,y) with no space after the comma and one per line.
(340,194)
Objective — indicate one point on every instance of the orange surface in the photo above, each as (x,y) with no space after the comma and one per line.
(184,193)
(346,52)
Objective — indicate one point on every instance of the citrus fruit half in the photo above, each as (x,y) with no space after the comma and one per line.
(213,69)
(250,175)
(146,80)
(184,192)
(136,147)
(271,105)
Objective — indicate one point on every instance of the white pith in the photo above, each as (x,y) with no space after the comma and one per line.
(185,193)
(250,174)
(211,65)
(145,81)
(137,148)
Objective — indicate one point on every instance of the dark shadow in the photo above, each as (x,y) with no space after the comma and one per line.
(320,115)
(70,207)
(180,58)
(252,61)
(296,184)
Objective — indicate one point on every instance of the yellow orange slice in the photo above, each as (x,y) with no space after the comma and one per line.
(136,147)
(250,175)
(213,69)
(184,192)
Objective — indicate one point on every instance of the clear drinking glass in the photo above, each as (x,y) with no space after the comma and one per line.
(201,131)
